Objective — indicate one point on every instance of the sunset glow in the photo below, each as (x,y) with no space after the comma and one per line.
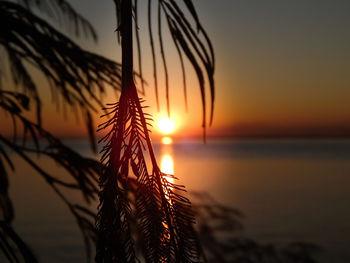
(166,125)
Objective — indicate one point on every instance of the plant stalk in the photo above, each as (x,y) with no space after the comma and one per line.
(127,45)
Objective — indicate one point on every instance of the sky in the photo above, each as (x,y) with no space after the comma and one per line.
(281,68)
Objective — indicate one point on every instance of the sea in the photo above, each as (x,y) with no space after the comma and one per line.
(295,190)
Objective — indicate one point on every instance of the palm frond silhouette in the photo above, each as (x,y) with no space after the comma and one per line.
(82,170)
(76,78)
(163,214)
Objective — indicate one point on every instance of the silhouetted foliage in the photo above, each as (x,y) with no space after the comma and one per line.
(191,41)
(82,171)
(76,78)
(150,218)
(12,245)
(163,215)
(220,231)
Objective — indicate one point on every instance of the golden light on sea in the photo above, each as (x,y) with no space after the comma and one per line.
(167,140)
(167,164)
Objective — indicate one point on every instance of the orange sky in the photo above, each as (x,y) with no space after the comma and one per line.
(281,69)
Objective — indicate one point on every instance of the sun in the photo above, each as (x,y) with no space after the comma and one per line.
(166,125)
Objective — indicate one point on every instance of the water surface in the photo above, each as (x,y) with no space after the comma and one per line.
(296,190)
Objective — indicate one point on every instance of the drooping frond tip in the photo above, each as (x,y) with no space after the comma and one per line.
(63,13)
(191,41)
(199,52)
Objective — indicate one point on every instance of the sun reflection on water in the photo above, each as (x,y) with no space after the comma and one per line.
(167,161)
(167,140)
(167,164)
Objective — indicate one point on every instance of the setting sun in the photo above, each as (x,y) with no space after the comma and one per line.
(166,125)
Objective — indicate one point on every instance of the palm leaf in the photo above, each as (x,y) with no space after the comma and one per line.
(62,13)
(76,76)
(195,44)
(164,216)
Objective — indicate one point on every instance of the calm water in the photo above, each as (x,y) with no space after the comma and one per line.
(288,190)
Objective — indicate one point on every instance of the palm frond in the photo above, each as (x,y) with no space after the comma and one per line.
(150,32)
(164,216)
(63,13)
(114,241)
(6,207)
(190,39)
(75,75)
(11,244)
(81,173)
